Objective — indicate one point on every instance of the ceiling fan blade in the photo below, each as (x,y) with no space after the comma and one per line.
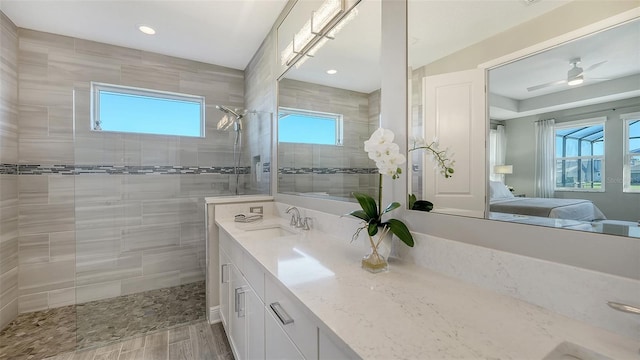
(542,86)
(594,66)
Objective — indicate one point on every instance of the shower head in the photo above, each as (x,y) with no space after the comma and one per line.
(226,110)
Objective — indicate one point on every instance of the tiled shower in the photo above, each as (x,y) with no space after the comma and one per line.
(91,215)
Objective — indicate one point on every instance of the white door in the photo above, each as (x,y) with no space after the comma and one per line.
(455,113)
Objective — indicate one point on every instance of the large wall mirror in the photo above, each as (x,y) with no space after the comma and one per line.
(562,127)
(328,105)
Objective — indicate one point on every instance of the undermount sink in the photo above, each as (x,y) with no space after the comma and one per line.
(271,231)
(570,351)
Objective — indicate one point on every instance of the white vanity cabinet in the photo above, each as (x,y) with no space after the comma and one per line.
(241,308)
(262,318)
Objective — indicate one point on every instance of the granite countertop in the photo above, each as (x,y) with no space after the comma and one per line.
(411,312)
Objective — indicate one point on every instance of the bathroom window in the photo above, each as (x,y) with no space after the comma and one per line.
(579,160)
(631,176)
(309,127)
(135,110)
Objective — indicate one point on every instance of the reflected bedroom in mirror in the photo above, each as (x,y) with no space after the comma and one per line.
(564,139)
(328,105)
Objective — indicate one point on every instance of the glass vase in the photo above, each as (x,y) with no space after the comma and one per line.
(374,262)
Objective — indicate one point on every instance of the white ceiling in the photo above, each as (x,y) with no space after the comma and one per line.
(617,78)
(221,32)
(228,33)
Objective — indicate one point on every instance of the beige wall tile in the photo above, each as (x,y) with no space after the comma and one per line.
(62,297)
(8,286)
(8,313)
(33,190)
(34,249)
(46,150)
(61,189)
(62,246)
(41,277)
(151,282)
(33,302)
(46,218)
(34,121)
(97,291)
(149,237)
(8,254)
(96,270)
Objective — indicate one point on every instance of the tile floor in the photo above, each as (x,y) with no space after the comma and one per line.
(99,323)
(199,341)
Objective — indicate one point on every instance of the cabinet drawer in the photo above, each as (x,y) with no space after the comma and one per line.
(254,275)
(277,344)
(292,317)
(231,248)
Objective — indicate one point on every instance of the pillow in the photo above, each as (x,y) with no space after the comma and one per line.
(499,190)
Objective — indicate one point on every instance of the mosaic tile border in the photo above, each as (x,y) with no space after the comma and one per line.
(327,171)
(8,169)
(30,169)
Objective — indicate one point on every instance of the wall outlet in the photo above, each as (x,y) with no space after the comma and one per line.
(256,209)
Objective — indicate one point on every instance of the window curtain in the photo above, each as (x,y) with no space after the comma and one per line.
(497,151)
(544,164)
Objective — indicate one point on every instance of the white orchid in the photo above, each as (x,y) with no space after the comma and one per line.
(381,148)
(441,158)
(379,137)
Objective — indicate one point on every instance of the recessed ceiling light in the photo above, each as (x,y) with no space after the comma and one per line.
(332,71)
(146,29)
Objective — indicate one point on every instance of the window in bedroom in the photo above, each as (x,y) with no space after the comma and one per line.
(631,176)
(309,127)
(579,160)
(135,110)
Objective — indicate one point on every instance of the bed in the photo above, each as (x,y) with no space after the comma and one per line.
(503,201)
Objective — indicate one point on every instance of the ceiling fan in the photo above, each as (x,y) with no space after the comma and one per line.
(575,75)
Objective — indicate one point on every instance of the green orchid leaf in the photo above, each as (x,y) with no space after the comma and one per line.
(394,205)
(422,205)
(373,228)
(368,204)
(399,229)
(360,214)
(412,199)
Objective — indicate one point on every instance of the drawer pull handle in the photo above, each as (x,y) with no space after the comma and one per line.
(240,301)
(624,307)
(281,314)
(222,274)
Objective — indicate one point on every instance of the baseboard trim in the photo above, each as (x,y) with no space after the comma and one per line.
(214,315)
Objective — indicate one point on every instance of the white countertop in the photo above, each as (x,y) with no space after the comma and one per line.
(411,312)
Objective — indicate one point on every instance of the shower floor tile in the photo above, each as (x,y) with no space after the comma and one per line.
(98,323)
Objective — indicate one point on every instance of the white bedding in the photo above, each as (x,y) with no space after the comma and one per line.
(573,209)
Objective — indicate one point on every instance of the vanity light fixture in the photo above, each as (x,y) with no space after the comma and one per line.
(313,33)
(146,29)
(332,71)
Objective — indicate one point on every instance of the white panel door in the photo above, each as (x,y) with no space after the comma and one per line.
(455,113)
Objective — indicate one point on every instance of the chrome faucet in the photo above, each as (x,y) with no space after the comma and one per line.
(296,220)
